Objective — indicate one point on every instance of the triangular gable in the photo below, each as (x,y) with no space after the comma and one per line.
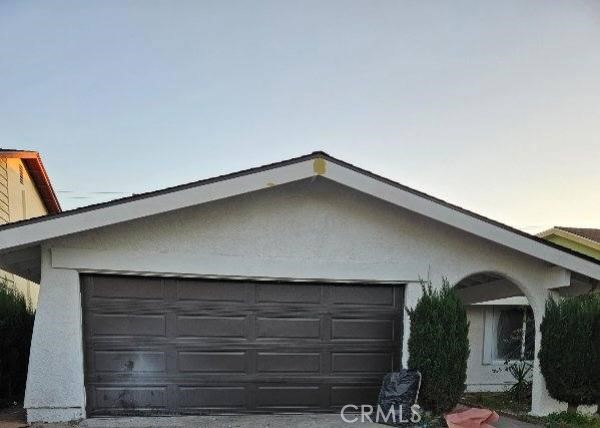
(32,232)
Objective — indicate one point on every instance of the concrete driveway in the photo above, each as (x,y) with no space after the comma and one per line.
(252,421)
(243,421)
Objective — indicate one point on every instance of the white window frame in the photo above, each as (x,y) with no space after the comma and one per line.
(490,334)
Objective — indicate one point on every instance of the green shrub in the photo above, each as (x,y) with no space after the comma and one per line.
(570,349)
(572,420)
(16,325)
(438,347)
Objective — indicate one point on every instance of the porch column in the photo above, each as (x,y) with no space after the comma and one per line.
(55,389)
(412,294)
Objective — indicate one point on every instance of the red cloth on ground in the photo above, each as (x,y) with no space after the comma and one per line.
(472,418)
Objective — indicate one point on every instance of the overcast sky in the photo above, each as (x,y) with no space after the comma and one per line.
(492,105)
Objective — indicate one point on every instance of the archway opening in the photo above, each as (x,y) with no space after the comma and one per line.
(501,336)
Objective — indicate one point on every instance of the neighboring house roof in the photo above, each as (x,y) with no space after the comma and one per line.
(35,167)
(579,239)
(584,232)
(31,232)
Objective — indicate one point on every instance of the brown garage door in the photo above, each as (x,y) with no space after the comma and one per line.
(178,346)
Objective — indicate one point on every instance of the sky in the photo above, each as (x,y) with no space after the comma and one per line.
(494,106)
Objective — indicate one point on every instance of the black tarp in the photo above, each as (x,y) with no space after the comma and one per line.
(399,392)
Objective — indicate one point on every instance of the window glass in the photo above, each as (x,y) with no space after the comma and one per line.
(510,334)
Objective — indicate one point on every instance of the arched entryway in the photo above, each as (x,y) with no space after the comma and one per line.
(502,331)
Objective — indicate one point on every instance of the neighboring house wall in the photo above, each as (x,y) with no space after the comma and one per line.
(4,206)
(309,229)
(25,201)
(19,200)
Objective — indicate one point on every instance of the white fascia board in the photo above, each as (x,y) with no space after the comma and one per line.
(79,222)
(459,220)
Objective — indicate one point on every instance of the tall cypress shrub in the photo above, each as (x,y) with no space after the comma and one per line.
(438,347)
(16,326)
(570,349)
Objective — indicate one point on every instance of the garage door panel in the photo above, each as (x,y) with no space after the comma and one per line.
(129,397)
(287,397)
(356,394)
(191,346)
(364,295)
(286,362)
(211,397)
(287,293)
(367,362)
(291,328)
(129,361)
(362,329)
(128,325)
(127,288)
(212,362)
(217,291)
(211,326)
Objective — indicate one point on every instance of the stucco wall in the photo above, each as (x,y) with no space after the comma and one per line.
(309,229)
(55,390)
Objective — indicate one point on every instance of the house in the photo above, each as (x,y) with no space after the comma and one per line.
(278,288)
(583,240)
(25,192)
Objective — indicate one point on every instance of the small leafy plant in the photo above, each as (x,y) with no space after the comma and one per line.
(521,373)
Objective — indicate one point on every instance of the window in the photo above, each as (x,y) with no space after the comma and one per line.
(509,334)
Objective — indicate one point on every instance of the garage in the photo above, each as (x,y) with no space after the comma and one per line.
(190,346)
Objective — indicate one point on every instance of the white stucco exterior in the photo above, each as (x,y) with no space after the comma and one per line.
(55,389)
(313,229)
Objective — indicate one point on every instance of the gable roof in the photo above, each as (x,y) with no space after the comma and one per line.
(33,162)
(33,231)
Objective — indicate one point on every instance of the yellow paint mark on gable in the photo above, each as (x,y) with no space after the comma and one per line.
(319,166)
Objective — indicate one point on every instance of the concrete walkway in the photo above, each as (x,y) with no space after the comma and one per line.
(505,422)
